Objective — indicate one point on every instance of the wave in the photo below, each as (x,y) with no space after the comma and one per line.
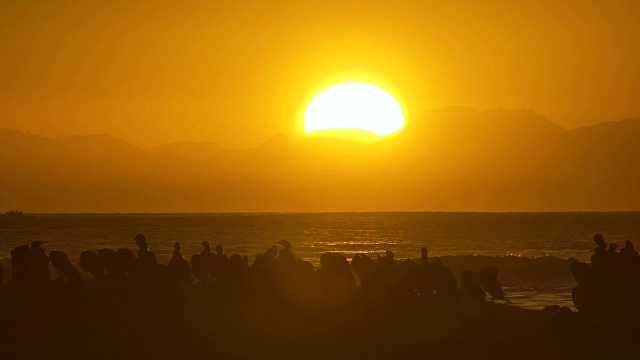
(517,271)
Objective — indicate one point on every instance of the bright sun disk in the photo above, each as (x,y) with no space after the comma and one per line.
(354,105)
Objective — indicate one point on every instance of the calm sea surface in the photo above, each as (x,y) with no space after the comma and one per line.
(527,235)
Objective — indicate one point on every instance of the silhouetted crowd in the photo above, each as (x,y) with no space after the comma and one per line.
(611,283)
(213,305)
(277,274)
(612,280)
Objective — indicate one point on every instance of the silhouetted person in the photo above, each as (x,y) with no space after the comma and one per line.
(598,239)
(286,253)
(613,266)
(291,277)
(385,274)
(178,268)
(219,265)
(444,283)
(199,268)
(206,248)
(613,282)
(425,281)
(408,280)
(424,257)
(201,263)
(145,257)
(304,270)
(612,249)
(38,264)
(20,264)
(126,264)
(582,273)
(207,258)
(628,252)
(490,282)
(470,287)
(283,271)
(235,277)
(598,259)
(363,267)
(389,255)
(268,266)
(147,265)
(67,273)
(335,279)
(630,270)
(260,278)
(90,262)
(271,254)
(585,296)
(109,260)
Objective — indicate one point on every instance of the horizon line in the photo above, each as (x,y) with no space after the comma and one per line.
(336,212)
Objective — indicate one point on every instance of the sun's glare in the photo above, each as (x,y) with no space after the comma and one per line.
(354,105)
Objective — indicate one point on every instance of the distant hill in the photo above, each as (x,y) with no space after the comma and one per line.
(451,159)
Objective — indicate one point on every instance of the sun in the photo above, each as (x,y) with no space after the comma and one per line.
(354,106)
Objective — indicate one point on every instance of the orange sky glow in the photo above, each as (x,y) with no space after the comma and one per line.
(237,73)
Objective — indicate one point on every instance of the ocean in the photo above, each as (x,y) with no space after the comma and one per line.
(532,250)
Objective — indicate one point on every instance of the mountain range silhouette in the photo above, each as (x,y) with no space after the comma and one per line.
(451,159)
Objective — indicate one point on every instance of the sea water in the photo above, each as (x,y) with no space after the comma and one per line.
(532,250)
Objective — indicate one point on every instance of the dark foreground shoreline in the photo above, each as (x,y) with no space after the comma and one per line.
(200,321)
(282,307)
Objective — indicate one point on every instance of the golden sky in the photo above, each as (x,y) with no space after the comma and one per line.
(238,72)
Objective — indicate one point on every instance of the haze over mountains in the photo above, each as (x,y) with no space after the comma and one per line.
(451,159)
